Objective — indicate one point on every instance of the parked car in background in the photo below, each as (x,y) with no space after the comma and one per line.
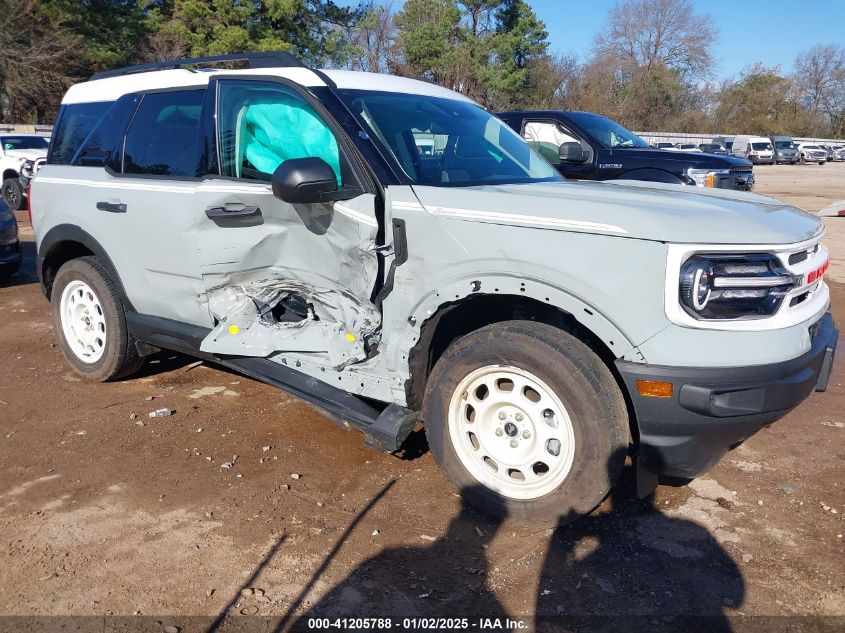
(283,223)
(15,150)
(829,151)
(713,148)
(811,153)
(589,146)
(726,141)
(10,246)
(664,145)
(757,149)
(688,147)
(785,150)
(839,152)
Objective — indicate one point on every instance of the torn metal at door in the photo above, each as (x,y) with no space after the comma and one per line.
(271,315)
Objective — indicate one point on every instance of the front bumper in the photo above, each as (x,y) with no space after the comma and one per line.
(10,255)
(714,409)
(740,179)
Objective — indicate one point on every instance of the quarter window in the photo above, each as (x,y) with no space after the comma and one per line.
(76,121)
(163,138)
(262,124)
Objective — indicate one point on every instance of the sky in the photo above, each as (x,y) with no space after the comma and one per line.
(769,31)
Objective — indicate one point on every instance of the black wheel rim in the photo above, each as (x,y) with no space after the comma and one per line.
(11,195)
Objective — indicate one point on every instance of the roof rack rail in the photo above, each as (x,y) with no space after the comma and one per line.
(274,59)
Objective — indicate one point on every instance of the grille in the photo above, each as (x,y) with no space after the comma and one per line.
(741,170)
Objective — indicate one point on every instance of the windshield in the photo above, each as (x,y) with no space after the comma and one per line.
(664,145)
(10,143)
(783,144)
(761,146)
(709,148)
(812,147)
(609,134)
(446,142)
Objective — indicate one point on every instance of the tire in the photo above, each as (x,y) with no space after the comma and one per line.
(822,162)
(592,425)
(12,193)
(96,342)
(9,270)
(801,159)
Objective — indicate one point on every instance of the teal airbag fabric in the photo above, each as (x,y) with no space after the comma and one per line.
(276,132)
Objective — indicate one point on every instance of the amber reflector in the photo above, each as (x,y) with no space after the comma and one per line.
(654,389)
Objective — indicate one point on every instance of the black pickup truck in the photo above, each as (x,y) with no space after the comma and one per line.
(592,147)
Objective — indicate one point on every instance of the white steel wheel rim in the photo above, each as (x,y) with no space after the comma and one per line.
(83,321)
(506,425)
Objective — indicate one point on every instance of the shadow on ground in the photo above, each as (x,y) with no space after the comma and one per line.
(631,567)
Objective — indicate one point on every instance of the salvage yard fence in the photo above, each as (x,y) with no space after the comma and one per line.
(698,139)
(651,137)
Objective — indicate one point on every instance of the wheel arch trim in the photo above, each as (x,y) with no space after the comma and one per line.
(503,285)
(64,234)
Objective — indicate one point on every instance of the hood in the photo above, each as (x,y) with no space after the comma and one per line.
(27,154)
(632,209)
(684,159)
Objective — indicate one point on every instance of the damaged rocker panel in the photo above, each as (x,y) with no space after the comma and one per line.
(384,429)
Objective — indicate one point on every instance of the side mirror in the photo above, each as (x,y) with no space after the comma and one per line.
(303,180)
(571,152)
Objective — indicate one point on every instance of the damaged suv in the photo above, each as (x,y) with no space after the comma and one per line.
(389,251)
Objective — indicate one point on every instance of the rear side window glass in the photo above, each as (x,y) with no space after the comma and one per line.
(75,123)
(104,143)
(262,124)
(163,138)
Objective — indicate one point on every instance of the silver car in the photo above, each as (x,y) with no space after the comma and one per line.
(293,225)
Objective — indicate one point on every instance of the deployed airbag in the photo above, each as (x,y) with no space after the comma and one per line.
(272,133)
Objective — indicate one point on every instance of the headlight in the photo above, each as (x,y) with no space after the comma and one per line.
(733,286)
(706,177)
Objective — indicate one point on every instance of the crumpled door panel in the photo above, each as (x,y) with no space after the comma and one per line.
(322,256)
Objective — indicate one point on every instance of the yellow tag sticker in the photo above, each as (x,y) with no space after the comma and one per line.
(234,329)
(350,337)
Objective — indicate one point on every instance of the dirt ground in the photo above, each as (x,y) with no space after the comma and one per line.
(103,514)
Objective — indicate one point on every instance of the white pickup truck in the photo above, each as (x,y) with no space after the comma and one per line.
(19,152)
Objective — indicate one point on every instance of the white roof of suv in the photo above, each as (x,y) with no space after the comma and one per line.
(111,88)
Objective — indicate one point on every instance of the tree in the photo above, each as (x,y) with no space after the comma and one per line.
(312,29)
(37,55)
(820,79)
(756,104)
(520,37)
(428,32)
(372,42)
(653,33)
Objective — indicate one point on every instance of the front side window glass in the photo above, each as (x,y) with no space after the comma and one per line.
(608,133)
(11,143)
(163,138)
(547,137)
(262,124)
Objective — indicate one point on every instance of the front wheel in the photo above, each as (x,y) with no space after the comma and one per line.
(12,193)
(527,422)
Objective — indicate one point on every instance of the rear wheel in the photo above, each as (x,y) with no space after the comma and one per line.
(90,323)
(527,422)
(12,193)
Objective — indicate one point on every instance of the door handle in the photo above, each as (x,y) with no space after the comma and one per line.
(112,207)
(217,213)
